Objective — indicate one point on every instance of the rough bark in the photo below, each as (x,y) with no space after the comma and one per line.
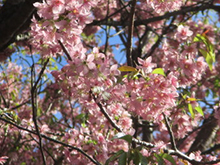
(15,17)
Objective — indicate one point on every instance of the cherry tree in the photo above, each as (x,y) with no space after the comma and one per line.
(67,98)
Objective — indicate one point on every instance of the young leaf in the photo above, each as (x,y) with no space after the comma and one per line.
(191,110)
(127,69)
(169,158)
(144,160)
(158,71)
(207,57)
(121,135)
(123,159)
(115,156)
(191,99)
(199,109)
(209,53)
(159,159)
(137,157)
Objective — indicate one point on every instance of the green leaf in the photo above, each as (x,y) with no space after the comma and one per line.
(127,69)
(80,116)
(121,135)
(191,110)
(199,109)
(114,157)
(169,158)
(207,57)
(144,161)
(52,60)
(200,38)
(159,159)
(158,71)
(123,159)
(209,53)
(137,157)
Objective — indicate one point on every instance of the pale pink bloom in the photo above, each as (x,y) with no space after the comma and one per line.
(3,160)
(145,152)
(196,155)
(101,139)
(163,6)
(201,64)
(90,61)
(114,70)
(58,6)
(44,128)
(183,32)
(147,65)
(44,10)
(159,145)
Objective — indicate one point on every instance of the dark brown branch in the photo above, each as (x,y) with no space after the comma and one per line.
(160,37)
(114,125)
(159,18)
(173,143)
(130,34)
(214,148)
(205,136)
(34,107)
(15,16)
(65,50)
(175,152)
(51,139)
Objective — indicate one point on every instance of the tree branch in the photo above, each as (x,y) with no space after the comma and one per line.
(65,50)
(52,140)
(159,18)
(130,34)
(15,18)
(170,132)
(106,114)
(34,107)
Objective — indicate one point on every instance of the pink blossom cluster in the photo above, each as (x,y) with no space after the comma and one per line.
(60,21)
(93,75)
(84,78)
(161,6)
(151,95)
(91,85)
(181,57)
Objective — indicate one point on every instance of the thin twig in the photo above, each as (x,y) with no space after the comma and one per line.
(107,31)
(150,145)
(159,18)
(51,139)
(146,144)
(130,34)
(65,50)
(173,143)
(106,114)
(34,106)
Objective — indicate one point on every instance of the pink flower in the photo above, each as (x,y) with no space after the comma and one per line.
(196,156)
(90,61)
(146,64)
(58,7)
(183,32)
(3,159)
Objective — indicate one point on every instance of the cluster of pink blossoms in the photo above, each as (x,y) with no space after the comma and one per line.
(60,21)
(161,6)
(89,79)
(183,62)
(151,95)
(94,78)
(93,75)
